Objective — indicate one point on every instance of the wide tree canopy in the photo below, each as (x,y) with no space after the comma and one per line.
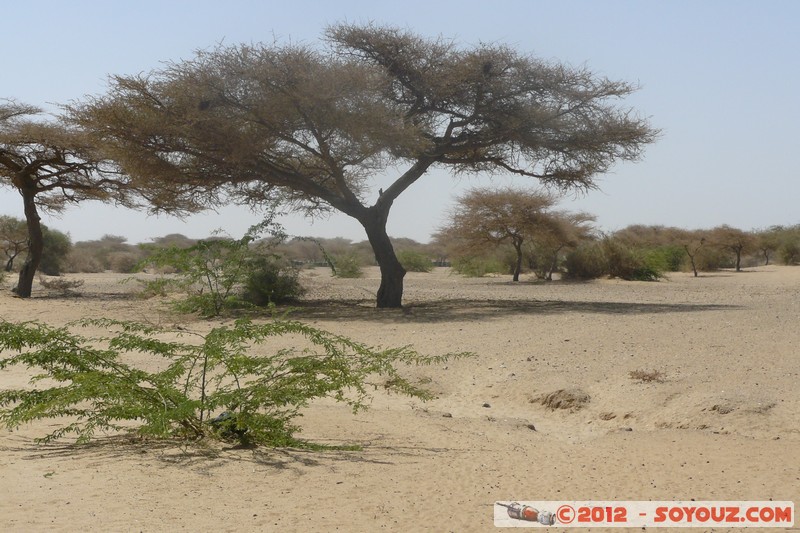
(517,217)
(311,126)
(50,164)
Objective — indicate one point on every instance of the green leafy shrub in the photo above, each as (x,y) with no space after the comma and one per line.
(209,272)
(666,258)
(270,281)
(56,249)
(414,261)
(587,261)
(628,263)
(226,386)
(221,274)
(476,267)
(347,266)
(789,252)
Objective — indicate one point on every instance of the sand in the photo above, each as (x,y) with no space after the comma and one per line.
(724,424)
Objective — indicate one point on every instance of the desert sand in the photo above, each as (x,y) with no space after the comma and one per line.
(723,425)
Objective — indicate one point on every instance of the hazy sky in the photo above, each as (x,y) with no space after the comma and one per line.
(720,78)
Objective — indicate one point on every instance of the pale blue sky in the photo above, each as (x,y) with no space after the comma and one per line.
(720,78)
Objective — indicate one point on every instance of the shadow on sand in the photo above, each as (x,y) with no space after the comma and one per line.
(471,310)
(209,457)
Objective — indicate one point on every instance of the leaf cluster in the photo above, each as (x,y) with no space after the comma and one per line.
(255,390)
(222,273)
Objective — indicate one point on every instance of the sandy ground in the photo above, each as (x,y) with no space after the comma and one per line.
(724,425)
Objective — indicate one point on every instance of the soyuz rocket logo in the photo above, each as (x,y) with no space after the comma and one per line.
(527,513)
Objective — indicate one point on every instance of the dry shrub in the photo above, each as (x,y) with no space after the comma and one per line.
(723,408)
(123,262)
(62,285)
(648,376)
(77,261)
(572,399)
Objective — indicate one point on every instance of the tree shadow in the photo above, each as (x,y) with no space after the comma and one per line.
(472,309)
(213,456)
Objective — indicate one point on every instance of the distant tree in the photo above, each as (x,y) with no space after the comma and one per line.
(50,165)
(789,249)
(768,241)
(560,232)
(310,128)
(13,239)
(693,242)
(785,240)
(110,252)
(499,216)
(734,240)
(176,240)
(662,246)
(55,249)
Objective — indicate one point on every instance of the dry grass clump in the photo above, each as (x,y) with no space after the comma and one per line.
(648,376)
(61,285)
(572,399)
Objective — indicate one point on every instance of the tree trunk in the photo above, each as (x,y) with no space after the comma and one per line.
(553,264)
(691,258)
(518,264)
(738,260)
(390,292)
(35,246)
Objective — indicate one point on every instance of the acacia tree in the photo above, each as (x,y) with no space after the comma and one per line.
(768,241)
(50,165)
(560,230)
(734,240)
(13,239)
(693,242)
(311,126)
(510,215)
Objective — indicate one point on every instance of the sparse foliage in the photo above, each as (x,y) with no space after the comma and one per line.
(311,127)
(629,263)
(227,385)
(57,246)
(271,280)
(208,273)
(221,273)
(477,266)
(13,239)
(347,265)
(61,285)
(414,261)
(51,165)
(587,261)
(733,240)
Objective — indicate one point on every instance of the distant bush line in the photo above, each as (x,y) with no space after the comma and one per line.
(637,252)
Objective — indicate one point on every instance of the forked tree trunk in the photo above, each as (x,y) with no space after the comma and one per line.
(691,259)
(553,264)
(35,246)
(390,292)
